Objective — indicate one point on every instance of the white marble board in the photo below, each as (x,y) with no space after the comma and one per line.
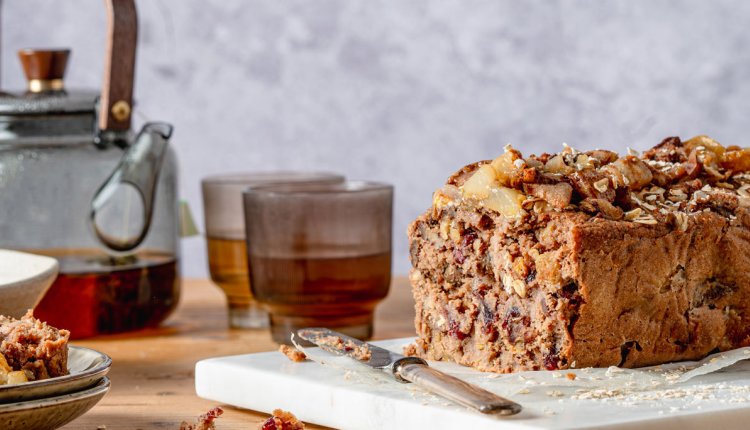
(344,394)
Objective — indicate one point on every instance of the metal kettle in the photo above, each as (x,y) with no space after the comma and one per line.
(77,184)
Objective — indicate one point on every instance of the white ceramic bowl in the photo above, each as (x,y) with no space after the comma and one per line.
(24,278)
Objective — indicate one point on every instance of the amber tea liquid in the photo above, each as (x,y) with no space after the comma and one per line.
(335,292)
(227,263)
(98,294)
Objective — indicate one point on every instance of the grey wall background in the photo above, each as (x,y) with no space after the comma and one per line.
(408,91)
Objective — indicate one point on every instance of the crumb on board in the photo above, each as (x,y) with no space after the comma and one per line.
(410,350)
(292,353)
(205,421)
(571,376)
(360,352)
(282,420)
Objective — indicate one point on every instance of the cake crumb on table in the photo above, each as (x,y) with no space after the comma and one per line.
(282,420)
(205,421)
(571,376)
(292,353)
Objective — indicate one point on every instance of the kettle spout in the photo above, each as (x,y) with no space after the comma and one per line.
(161,128)
(138,168)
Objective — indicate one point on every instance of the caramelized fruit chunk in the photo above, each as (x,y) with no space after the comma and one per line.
(505,200)
(556,164)
(736,160)
(706,142)
(506,164)
(478,185)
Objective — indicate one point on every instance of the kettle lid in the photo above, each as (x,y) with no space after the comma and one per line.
(46,93)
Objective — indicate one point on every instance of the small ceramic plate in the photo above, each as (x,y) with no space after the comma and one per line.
(86,367)
(24,278)
(52,412)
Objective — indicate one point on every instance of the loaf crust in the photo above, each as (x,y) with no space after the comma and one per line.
(613,277)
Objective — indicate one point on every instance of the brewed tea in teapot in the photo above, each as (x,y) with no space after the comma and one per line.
(76,184)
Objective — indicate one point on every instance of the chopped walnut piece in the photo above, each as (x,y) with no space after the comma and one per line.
(557,195)
(669,150)
(602,156)
(292,353)
(584,184)
(602,206)
(629,171)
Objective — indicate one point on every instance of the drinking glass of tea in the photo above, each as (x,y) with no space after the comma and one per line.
(320,255)
(225,234)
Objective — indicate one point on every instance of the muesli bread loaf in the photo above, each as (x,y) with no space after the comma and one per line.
(584,259)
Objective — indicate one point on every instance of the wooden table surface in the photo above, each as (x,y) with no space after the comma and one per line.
(153,371)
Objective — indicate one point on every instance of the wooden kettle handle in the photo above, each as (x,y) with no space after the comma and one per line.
(119,66)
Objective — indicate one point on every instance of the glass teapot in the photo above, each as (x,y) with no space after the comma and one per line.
(76,185)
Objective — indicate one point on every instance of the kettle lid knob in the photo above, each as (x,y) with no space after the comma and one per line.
(44,68)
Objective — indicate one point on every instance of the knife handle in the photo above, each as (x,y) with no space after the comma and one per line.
(454,389)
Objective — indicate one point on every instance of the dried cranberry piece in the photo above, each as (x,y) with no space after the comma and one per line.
(456,332)
(551,359)
(491,332)
(481,290)
(270,424)
(468,238)
(458,256)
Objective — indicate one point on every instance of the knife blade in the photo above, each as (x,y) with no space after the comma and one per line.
(410,369)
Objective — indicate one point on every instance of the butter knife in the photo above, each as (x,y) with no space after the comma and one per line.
(411,369)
